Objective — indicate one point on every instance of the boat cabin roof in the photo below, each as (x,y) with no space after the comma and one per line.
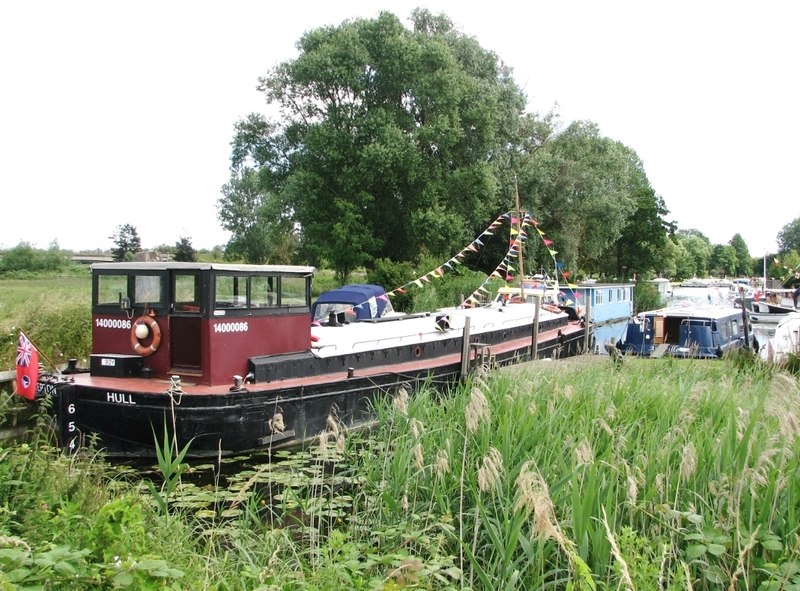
(364,300)
(186,266)
(710,312)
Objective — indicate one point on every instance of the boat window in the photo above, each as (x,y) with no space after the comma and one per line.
(598,296)
(293,291)
(148,289)
(262,292)
(110,288)
(231,291)
(187,292)
(724,331)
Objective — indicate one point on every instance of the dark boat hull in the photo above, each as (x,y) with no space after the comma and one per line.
(294,399)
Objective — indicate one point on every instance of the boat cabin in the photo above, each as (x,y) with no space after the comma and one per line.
(607,302)
(357,301)
(685,332)
(189,319)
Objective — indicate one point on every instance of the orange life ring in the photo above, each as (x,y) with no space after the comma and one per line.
(154,331)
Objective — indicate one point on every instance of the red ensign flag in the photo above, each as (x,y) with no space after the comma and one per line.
(27,367)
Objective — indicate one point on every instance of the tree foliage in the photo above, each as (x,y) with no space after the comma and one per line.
(594,198)
(723,260)
(695,253)
(398,143)
(184,251)
(390,142)
(25,257)
(126,242)
(744,262)
(261,226)
(789,237)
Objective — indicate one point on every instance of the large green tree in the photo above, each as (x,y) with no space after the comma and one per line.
(126,242)
(391,142)
(744,262)
(724,260)
(261,226)
(587,190)
(184,251)
(696,253)
(789,237)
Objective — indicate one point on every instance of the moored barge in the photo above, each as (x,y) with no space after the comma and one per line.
(226,359)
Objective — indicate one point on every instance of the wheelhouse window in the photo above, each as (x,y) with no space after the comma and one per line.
(231,291)
(260,291)
(187,292)
(263,292)
(111,289)
(293,291)
(148,289)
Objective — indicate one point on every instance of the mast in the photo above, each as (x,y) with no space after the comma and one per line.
(519,233)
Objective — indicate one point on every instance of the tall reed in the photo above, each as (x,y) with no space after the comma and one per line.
(686,466)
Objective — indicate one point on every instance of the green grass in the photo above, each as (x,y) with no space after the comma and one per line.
(661,474)
(17,294)
(54,312)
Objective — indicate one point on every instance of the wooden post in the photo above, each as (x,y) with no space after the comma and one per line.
(535,330)
(465,349)
(587,309)
(744,319)
(519,232)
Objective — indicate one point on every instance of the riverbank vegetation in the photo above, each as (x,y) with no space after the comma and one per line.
(668,474)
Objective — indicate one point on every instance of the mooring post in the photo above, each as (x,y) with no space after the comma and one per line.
(744,318)
(535,332)
(465,347)
(586,330)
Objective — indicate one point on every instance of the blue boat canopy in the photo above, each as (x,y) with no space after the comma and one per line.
(357,301)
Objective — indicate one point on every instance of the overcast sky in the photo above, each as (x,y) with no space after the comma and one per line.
(122,113)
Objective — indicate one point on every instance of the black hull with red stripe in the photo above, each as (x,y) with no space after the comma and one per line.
(236,370)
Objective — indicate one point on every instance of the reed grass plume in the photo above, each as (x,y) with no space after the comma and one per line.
(419,457)
(688,461)
(623,565)
(442,464)
(477,409)
(276,423)
(783,404)
(490,470)
(416,428)
(584,454)
(400,401)
(633,486)
(533,498)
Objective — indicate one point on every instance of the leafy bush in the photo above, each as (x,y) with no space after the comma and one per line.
(646,297)
(391,275)
(25,258)
(59,328)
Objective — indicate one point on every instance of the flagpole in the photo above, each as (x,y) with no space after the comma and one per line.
(519,233)
(41,354)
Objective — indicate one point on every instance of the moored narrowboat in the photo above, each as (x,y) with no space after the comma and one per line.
(705,332)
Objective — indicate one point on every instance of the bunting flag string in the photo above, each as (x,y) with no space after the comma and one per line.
(790,270)
(505,270)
